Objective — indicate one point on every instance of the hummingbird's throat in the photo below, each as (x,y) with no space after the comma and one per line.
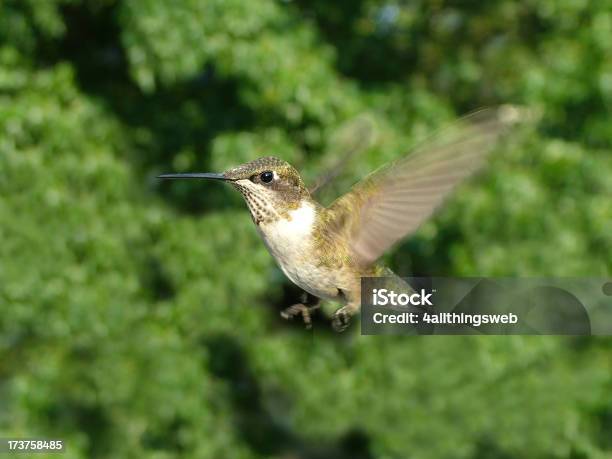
(259,202)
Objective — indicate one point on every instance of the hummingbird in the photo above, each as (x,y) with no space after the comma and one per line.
(326,250)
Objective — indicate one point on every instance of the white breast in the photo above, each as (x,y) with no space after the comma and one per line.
(290,238)
(290,242)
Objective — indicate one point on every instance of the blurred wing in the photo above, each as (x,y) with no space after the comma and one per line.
(395,200)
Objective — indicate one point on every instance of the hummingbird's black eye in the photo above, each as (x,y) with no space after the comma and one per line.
(266,176)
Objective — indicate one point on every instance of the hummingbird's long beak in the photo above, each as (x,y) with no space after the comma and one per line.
(195,175)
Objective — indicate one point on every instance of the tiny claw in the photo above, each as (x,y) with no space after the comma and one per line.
(340,321)
(299,308)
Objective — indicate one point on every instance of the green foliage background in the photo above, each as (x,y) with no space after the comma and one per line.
(140,319)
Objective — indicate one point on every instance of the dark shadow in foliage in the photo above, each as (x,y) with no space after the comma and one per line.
(264,431)
(156,281)
(388,51)
(603,418)
(370,59)
(66,415)
(165,437)
(184,116)
(485,448)
(413,256)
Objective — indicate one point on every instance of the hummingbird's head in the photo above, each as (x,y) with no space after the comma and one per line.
(270,186)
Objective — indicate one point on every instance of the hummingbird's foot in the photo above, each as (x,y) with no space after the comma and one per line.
(341,319)
(297,309)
